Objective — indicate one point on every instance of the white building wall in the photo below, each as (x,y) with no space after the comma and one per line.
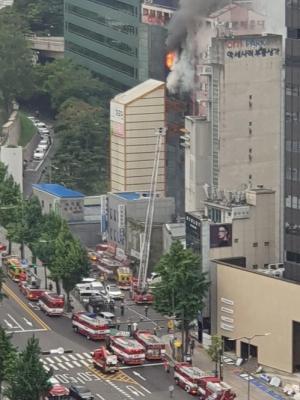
(12,157)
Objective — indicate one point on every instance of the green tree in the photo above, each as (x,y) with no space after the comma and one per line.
(15,61)
(70,263)
(183,286)
(28,379)
(215,353)
(42,16)
(2,294)
(7,355)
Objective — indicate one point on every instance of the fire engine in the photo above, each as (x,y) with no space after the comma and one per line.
(188,377)
(52,303)
(214,389)
(105,360)
(31,288)
(155,348)
(90,325)
(128,351)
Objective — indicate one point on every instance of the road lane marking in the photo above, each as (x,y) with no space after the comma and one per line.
(8,323)
(141,366)
(139,375)
(69,364)
(65,358)
(135,391)
(17,325)
(143,387)
(28,330)
(73,357)
(57,359)
(28,322)
(50,360)
(100,397)
(85,363)
(54,367)
(63,366)
(87,355)
(77,363)
(119,390)
(80,356)
(118,376)
(25,307)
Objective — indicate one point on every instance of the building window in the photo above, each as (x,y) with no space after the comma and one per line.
(266,244)
(255,266)
(255,244)
(236,240)
(115,215)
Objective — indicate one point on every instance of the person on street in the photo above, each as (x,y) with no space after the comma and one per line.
(171,391)
(118,324)
(129,328)
(122,308)
(50,287)
(134,326)
(146,308)
(155,331)
(166,365)
(192,346)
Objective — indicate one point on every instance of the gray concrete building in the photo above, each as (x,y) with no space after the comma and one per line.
(126,214)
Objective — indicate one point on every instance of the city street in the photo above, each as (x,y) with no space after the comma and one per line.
(24,319)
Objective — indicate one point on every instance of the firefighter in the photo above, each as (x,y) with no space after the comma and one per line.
(146,308)
(166,365)
(122,308)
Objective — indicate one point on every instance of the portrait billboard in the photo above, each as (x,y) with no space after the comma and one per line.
(220,235)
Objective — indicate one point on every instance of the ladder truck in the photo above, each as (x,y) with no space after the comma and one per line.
(141,294)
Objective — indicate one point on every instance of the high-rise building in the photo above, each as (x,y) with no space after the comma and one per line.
(236,142)
(108,37)
(135,117)
(292,141)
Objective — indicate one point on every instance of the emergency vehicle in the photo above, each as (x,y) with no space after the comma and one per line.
(128,351)
(214,389)
(90,325)
(155,348)
(105,360)
(188,377)
(31,292)
(52,303)
(124,277)
(58,392)
(140,297)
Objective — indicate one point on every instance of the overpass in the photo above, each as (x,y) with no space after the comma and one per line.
(49,46)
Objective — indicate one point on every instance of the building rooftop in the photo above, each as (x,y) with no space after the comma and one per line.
(138,91)
(131,196)
(57,190)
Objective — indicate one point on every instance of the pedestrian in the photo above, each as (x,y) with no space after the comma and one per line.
(129,328)
(118,324)
(192,346)
(111,306)
(166,365)
(171,391)
(155,331)
(50,287)
(134,326)
(122,308)
(146,308)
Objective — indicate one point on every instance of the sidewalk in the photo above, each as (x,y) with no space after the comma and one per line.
(231,374)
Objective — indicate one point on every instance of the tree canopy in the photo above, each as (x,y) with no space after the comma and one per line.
(183,286)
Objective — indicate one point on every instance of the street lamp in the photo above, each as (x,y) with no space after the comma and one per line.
(249,338)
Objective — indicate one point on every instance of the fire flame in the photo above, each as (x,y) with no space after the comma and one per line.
(170,59)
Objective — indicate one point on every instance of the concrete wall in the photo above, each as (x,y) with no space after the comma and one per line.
(12,157)
(28,150)
(11,130)
(87,232)
(249,303)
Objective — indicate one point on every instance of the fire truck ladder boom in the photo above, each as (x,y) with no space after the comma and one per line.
(146,237)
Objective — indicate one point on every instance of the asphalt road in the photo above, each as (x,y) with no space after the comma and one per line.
(23,318)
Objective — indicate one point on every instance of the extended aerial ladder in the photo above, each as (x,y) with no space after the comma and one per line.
(141,294)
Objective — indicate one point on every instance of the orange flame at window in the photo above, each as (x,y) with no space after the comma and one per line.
(170,59)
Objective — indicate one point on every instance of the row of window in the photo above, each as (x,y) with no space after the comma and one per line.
(293,3)
(293,174)
(118,5)
(292,116)
(292,229)
(292,90)
(103,20)
(292,202)
(293,146)
(104,40)
(101,59)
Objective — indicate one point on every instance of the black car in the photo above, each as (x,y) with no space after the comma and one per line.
(80,392)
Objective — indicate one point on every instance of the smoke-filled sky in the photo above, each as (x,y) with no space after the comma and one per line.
(189,37)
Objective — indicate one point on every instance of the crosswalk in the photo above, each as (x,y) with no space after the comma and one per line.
(66,362)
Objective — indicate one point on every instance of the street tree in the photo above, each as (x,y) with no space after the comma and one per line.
(28,380)
(183,286)
(215,353)
(7,356)
(15,61)
(70,262)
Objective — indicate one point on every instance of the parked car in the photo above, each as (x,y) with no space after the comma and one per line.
(109,317)
(43,145)
(39,154)
(114,292)
(80,392)
(33,119)
(43,131)
(40,124)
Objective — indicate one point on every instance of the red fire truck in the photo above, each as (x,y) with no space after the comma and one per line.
(155,348)
(128,351)
(213,388)
(52,303)
(188,377)
(140,297)
(105,360)
(31,292)
(90,325)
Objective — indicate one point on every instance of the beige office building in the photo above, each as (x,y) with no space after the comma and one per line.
(135,117)
(235,141)
(250,303)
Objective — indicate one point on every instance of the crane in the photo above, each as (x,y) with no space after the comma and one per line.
(141,295)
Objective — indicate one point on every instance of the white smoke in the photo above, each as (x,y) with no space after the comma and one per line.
(189,37)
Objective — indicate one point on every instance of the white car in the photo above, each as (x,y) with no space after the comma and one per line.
(43,131)
(39,154)
(41,125)
(43,145)
(114,292)
(154,279)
